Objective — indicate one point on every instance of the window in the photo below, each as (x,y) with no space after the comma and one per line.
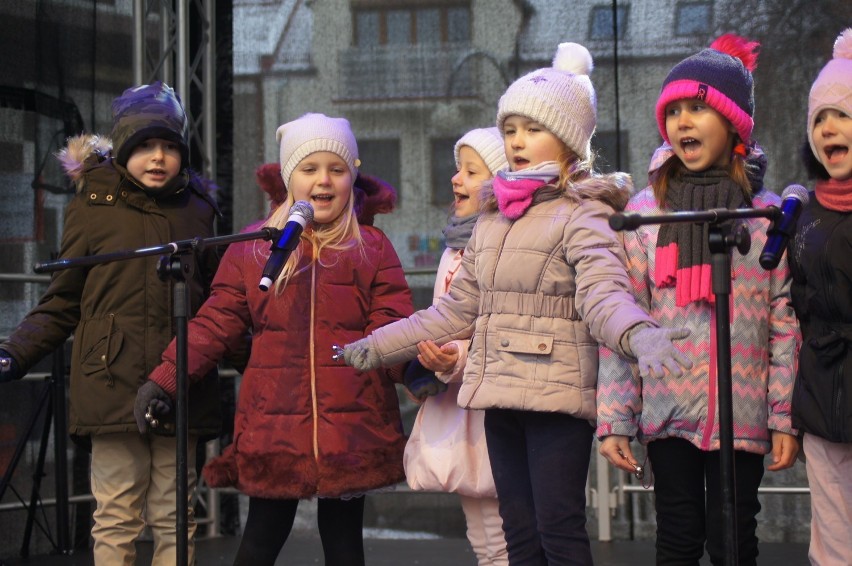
(600,25)
(693,18)
(424,23)
(380,158)
(367,26)
(443,169)
(604,144)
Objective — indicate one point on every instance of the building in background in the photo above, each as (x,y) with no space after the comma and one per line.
(411,76)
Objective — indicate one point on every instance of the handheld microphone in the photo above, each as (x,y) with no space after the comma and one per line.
(301,214)
(794,198)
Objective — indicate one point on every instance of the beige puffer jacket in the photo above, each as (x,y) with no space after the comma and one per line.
(534,295)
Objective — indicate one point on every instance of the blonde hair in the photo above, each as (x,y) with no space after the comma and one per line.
(342,233)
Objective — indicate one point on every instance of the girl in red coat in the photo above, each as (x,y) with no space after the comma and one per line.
(306,426)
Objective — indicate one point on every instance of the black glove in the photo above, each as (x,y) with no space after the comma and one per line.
(9,368)
(152,400)
(422,382)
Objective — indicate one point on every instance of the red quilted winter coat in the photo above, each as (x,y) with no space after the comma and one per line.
(305,425)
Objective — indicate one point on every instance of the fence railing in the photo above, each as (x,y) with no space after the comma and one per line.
(602,495)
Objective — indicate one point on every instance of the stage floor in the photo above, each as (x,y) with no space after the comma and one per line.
(304,549)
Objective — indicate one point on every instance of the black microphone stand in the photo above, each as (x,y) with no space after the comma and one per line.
(721,238)
(174,266)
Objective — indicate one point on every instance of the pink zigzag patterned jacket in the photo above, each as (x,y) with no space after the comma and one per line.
(765,339)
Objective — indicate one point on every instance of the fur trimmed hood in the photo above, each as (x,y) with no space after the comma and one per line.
(614,189)
(85,151)
(80,149)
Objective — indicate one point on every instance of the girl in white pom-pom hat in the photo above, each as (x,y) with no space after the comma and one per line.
(822,270)
(542,280)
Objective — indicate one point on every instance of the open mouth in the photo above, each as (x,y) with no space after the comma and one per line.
(520,162)
(690,146)
(156,172)
(322,198)
(459,197)
(836,153)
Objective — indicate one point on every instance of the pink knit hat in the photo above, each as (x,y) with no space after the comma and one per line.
(719,75)
(833,87)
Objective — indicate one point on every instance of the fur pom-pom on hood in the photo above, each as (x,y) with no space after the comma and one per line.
(72,157)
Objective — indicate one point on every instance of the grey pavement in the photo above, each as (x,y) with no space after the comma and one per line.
(303,549)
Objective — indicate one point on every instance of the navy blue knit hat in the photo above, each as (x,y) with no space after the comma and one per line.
(719,75)
(145,112)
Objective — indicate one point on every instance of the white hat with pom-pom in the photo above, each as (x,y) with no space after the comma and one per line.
(833,87)
(560,98)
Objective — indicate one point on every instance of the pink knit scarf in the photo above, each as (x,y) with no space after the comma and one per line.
(834,194)
(514,190)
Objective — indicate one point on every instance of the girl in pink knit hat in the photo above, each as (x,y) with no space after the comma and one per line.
(822,271)
(704,113)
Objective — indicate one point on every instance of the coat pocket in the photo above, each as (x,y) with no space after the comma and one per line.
(102,342)
(522,342)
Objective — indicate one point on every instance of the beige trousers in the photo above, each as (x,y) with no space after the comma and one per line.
(133,482)
(485,530)
(828,465)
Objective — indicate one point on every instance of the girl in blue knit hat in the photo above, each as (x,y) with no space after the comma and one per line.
(704,113)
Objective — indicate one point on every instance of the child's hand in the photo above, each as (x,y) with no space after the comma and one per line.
(151,401)
(436,358)
(785,447)
(422,382)
(362,354)
(616,449)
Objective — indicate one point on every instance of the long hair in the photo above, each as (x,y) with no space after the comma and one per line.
(673,168)
(341,234)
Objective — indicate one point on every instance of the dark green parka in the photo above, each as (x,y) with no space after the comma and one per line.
(120,312)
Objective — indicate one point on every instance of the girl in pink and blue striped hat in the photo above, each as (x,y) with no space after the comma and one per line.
(705,115)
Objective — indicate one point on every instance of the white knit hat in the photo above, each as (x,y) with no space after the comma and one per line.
(488,143)
(312,133)
(833,87)
(560,98)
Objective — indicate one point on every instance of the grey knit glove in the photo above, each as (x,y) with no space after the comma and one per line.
(362,355)
(654,350)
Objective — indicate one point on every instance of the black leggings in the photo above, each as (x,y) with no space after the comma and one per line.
(270,521)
